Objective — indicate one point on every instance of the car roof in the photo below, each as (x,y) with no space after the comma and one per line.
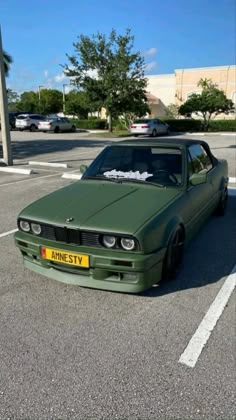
(175,142)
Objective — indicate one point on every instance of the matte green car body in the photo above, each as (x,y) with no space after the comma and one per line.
(142,211)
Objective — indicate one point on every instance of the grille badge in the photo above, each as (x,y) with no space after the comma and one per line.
(69,219)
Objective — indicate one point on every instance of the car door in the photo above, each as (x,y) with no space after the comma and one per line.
(199,196)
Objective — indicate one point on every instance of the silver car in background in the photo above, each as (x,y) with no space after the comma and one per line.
(149,126)
(56,125)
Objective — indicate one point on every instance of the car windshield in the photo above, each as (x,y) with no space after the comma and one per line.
(145,164)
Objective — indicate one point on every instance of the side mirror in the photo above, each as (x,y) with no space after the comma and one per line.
(197,179)
(83,168)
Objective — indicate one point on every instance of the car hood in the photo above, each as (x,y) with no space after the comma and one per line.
(103,206)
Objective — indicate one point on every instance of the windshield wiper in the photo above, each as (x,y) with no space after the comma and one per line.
(104,178)
(142,181)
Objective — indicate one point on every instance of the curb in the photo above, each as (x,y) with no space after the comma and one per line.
(17,171)
(68,175)
(50,164)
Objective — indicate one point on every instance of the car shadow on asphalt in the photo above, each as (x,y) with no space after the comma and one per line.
(208,258)
(29,148)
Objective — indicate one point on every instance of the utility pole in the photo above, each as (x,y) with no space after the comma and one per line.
(6,138)
(64,98)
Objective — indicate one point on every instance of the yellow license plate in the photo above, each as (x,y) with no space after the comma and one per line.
(63,257)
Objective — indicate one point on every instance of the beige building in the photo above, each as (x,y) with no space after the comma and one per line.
(175,88)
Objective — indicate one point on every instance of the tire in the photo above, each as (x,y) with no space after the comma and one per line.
(56,130)
(136,135)
(222,205)
(73,129)
(154,133)
(174,255)
(33,127)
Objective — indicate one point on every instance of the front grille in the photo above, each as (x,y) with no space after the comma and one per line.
(70,236)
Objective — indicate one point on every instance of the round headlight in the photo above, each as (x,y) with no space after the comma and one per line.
(36,229)
(109,241)
(127,243)
(25,226)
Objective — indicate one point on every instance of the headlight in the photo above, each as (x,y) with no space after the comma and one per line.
(36,229)
(109,241)
(25,226)
(127,243)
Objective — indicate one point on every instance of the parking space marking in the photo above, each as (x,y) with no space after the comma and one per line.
(8,233)
(29,179)
(195,346)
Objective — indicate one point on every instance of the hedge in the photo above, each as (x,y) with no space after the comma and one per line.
(91,124)
(183,125)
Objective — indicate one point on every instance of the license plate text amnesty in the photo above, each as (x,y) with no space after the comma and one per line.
(63,257)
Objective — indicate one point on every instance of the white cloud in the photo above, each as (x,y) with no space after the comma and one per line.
(45,73)
(151,52)
(93,73)
(60,78)
(151,66)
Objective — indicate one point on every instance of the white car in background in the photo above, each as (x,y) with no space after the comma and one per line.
(56,125)
(149,126)
(28,121)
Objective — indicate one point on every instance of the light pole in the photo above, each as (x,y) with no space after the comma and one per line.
(40,87)
(6,138)
(64,98)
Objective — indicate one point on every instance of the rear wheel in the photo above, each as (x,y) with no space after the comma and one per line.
(56,129)
(33,127)
(73,128)
(136,135)
(174,255)
(222,205)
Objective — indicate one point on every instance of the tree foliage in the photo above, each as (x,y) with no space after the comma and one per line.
(12,99)
(7,61)
(79,104)
(209,103)
(50,101)
(172,111)
(110,72)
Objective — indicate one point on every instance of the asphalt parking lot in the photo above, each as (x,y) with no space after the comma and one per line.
(73,353)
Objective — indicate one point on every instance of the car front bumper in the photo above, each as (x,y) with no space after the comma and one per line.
(109,270)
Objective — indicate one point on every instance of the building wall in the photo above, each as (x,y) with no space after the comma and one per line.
(163,87)
(175,88)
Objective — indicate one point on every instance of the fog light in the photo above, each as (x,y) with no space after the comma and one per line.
(25,226)
(36,229)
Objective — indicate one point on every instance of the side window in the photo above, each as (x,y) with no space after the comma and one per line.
(200,159)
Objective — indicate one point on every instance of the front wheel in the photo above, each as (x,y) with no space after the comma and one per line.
(222,205)
(174,255)
(33,127)
(154,133)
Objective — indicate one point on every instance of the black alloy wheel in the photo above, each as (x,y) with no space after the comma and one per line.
(174,254)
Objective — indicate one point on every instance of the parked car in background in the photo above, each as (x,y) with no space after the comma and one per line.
(124,225)
(56,124)
(28,121)
(12,119)
(149,126)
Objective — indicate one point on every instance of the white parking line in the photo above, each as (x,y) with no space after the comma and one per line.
(8,233)
(27,180)
(195,346)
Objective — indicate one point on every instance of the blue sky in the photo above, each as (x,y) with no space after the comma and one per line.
(172,34)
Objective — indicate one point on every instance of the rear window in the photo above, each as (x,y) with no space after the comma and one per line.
(22,117)
(141,121)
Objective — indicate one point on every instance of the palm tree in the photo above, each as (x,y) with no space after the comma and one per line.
(7,60)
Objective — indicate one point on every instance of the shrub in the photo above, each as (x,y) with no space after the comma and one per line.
(90,124)
(191,125)
(222,125)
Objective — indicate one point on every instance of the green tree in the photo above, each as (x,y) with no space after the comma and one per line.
(51,101)
(209,103)
(172,111)
(13,100)
(7,61)
(29,102)
(79,104)
(110,72)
